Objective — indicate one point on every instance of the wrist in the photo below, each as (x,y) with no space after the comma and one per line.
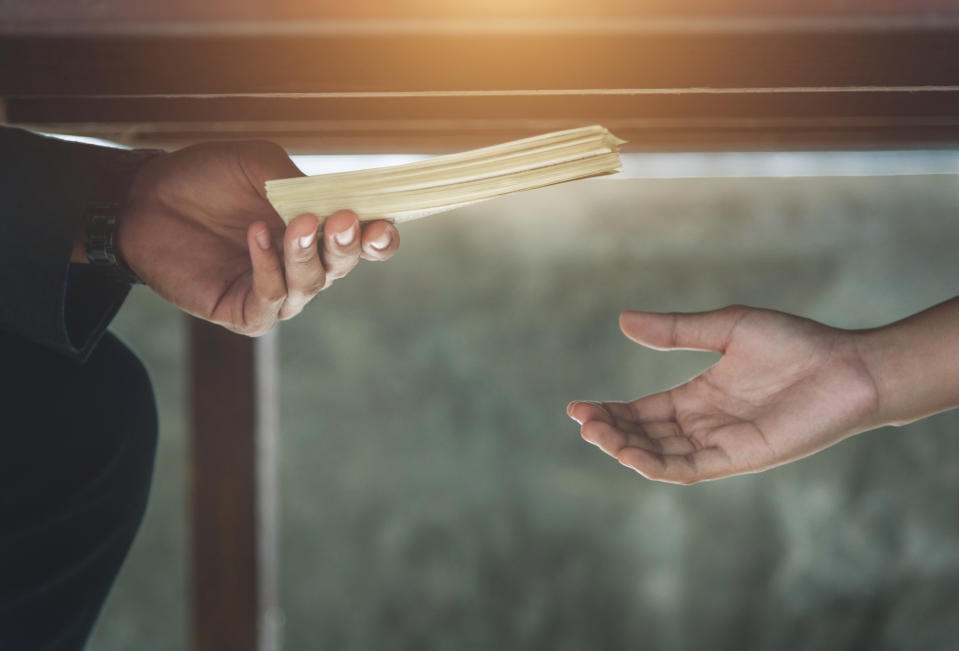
(913,363)
(96,240)
(130,210)
(874,346)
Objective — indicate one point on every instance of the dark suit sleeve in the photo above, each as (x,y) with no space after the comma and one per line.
(46,187)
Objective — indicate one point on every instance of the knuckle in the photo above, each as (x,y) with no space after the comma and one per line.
(340,268)
(674,329)
(307,285)
(303,258)
(274,295)
(351,266)
(288,314)
(315,288)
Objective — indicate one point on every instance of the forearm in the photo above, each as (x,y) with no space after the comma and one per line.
(915,364)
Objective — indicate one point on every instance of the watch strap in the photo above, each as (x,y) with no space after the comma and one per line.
(101,244)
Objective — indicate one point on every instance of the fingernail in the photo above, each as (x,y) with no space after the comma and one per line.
(346,236)
(263,239)
(381,242)
(307,241)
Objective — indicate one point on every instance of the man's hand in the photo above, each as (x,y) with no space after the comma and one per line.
(198,229)
(785,387)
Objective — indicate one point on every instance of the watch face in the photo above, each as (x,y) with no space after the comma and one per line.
(100,244)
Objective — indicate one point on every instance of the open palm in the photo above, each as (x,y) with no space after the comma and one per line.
(784,388)
(198,229)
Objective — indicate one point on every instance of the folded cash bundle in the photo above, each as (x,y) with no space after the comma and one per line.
(405,192)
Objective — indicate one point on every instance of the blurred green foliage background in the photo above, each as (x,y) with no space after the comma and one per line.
(435,495)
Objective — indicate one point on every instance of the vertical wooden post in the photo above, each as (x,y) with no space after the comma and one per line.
(234,545)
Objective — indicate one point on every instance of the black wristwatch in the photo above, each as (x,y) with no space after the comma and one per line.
(101,244)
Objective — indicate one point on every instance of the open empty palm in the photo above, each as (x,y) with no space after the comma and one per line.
(784,388)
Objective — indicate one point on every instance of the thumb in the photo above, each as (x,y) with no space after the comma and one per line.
(692,331)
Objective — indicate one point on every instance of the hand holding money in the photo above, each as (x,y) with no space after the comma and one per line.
(197,227)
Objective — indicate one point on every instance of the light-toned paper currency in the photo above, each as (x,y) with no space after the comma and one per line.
(414,190)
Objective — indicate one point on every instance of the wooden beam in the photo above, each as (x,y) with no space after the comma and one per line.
(234,548)
(426,89)
(650,121)
(701,104)
(125,16)
(157,66)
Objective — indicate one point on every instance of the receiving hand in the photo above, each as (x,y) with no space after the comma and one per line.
(785,387)
(198,229)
